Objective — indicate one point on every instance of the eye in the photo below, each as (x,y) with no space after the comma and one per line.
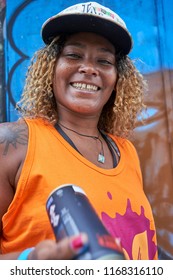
(105,62)
(73,55)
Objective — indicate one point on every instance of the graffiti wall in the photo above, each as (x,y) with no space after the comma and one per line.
(2,63)
(151,25)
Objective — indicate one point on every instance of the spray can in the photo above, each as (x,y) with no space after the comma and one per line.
(70,213)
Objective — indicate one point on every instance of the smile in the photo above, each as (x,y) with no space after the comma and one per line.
(85,86)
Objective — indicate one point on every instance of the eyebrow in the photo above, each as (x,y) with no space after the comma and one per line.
(76,44)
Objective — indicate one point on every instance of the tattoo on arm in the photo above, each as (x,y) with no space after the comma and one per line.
(13,134)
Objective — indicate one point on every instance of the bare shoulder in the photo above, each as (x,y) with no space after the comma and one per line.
(12,136)
(13,147)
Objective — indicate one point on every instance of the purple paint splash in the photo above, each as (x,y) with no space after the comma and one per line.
(129,225)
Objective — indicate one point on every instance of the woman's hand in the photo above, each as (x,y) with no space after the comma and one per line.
(66,249)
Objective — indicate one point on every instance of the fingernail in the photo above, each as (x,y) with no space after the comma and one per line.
(78,242)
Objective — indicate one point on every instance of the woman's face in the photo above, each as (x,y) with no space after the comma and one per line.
(85,74)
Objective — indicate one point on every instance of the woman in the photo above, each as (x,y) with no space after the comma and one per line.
(80,102)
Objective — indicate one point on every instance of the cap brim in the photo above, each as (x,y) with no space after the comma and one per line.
(74,23)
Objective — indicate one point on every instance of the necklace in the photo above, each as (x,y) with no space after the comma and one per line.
(101,157)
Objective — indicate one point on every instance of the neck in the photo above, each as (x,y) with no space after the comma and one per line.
(79,133)
(83,127)
(80,122)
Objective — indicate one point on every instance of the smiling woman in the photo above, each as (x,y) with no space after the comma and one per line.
(80,102)
(85,76)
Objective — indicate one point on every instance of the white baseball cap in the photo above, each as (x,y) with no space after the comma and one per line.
(89,17)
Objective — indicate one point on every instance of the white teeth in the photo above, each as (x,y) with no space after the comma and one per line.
(85,86)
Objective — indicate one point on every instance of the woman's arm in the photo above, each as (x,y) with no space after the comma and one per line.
(13,148)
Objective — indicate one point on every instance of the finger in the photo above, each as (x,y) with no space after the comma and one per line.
(73,246)
(67,248)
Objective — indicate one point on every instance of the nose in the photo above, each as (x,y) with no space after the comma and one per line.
(88,68)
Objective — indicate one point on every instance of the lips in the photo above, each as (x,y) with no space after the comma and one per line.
(84,86)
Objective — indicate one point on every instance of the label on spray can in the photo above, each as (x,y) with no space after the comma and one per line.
(70,213)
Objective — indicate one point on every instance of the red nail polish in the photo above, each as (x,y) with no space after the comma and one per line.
(77,243)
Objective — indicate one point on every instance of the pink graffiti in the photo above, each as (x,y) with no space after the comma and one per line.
(129,225)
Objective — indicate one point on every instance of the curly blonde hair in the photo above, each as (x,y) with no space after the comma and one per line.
(120,113)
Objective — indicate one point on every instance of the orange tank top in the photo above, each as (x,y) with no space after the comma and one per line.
(116,194)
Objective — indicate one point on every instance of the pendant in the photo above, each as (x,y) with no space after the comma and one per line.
(101,158)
